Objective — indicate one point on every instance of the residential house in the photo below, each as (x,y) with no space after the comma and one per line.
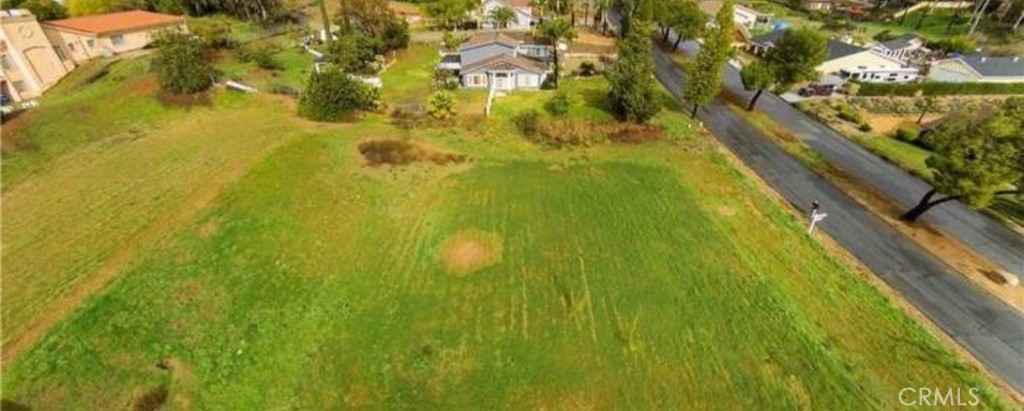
(495,60)
(524,13)
(29,63)
(848,61)
(104,35)
(981,69)
(817,5)
(742,16)
(902,47)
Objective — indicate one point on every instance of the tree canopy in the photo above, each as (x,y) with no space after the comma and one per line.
(502,16)
(757,76)
(975,158)
(44,10)
(796,56)
(632,89)
(704,79)
(182,64)
(332,95)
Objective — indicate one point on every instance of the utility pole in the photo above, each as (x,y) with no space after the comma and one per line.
(326,22)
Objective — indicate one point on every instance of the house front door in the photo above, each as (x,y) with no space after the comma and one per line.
(502,81)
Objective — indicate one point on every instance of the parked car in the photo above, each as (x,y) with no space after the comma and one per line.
(818,90)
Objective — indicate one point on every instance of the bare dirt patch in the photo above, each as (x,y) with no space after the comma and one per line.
(401,152)
(151,400)
(470,250)
(637,134)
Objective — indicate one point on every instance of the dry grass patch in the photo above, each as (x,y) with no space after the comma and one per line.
(400,152)
(470,250)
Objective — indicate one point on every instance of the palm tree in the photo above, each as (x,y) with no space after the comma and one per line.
(601,15)
(502,16)
(555,30)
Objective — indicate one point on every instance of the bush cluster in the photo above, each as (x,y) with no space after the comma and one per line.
(939,89)
(907,134)
(332,95)
(182,64)
(558,105)
(262,55)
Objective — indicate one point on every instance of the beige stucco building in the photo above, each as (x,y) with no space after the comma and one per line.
(104,35)
(34,56)
(29,62)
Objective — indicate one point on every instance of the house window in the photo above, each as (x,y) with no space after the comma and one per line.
(91,43)
(117,39)
(477,80)
(60,53)
(19,86)
(71,46)
(5,62)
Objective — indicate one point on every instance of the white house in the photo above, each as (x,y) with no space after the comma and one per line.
(848,61)
(741,15)
(857,63)
(522,8)
(981,69)
(495,60)
(901,47)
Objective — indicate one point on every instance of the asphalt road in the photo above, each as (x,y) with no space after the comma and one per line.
(991,330)
(980,233)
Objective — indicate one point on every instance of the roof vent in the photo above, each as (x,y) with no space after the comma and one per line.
(983,58)
(1016,59)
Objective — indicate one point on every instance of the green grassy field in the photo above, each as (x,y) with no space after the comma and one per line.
(654,276)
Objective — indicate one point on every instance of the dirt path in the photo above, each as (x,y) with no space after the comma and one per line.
(194,183)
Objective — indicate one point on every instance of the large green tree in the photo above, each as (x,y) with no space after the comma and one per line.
(631,86)
(375,19)
(757,76)
(502,16)
(449,13)
(44,10)
(182,64)
(556,30)
(689,22)
(796,56)
(704,79)
(976,159)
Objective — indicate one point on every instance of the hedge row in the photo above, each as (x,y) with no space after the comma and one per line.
(938,89)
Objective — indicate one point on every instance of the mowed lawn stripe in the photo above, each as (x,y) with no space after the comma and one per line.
(79,223)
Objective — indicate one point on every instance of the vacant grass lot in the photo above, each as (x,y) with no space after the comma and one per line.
(653,276)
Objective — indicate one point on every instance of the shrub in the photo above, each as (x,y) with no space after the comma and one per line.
(588,68)
(851,114)
(865,127)
(558,105)
(216,32)
(441,105)
(182,64)
(549,83)
(528,122)
(930,88)
(262,55)
(907,134)
(958,44)
(332,95)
